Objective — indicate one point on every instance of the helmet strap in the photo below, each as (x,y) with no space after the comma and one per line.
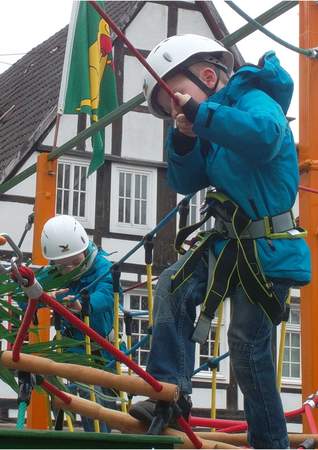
(196,80)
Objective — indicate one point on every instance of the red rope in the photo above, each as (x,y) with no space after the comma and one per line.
(310,419)
(9,345)
(213,423)
(135,286)
(27,319)
(120,356)
(231,426)
(138,55)
(55,391)
(188,431)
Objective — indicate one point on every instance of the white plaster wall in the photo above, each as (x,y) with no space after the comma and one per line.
(26,187)
(123,247)
(291,401)
(149,26)
(6,391)
(142,137)
(13,218)
(192,22)
(294,428)
(127,276)
(133,77)
(67,130)
(108,140)
(201,398)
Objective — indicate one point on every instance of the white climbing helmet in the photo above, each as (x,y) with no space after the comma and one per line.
(177,51)
(63,236)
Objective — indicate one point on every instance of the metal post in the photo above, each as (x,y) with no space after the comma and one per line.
(308,148)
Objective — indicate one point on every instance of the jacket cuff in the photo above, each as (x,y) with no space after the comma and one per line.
(182,144)
(190,109)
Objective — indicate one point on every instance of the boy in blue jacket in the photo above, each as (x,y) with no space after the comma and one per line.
(66,245)
(231,133)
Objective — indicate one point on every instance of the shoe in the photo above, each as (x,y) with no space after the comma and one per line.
(144,410)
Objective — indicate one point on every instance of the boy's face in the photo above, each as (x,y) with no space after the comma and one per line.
(66,265)
(180,83)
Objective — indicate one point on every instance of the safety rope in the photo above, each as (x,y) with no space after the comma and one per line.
(311,52)
(150,235)
(21,415)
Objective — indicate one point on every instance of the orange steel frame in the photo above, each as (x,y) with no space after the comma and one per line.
(308,202)
(38,414)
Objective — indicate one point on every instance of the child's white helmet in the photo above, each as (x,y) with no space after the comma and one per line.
(175,52)
(63,236)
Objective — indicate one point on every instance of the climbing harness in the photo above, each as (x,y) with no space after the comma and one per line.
(237,263)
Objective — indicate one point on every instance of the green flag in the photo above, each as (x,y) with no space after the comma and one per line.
(88,81)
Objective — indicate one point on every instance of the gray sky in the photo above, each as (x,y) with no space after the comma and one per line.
(27,23)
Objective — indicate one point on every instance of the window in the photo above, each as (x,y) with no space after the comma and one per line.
(292,350)
(75,192)
(134,303)
(133,208)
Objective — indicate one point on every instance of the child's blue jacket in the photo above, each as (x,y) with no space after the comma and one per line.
(245,149)
(101,297)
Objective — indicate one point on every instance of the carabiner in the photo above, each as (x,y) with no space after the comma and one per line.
(15,260)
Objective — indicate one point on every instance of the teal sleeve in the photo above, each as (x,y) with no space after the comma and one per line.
(254,128)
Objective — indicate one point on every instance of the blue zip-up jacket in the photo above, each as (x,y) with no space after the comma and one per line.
(245,148)
(101,297)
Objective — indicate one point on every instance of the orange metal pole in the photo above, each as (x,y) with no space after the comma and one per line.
(45,199)
(308,151)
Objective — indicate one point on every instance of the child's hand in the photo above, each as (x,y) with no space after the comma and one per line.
(58,294)
(182,123)
(74,305)
(182,98)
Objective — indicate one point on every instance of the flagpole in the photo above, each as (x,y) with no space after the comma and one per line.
(67,57)
(138,55)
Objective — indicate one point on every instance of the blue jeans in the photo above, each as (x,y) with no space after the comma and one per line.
(87,422)
(171,357)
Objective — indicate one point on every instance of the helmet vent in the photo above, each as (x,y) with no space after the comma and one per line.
(167,56)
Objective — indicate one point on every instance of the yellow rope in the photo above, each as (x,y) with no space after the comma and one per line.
(215,354)
(281,350)
(116,333)
(59,350)
(69,423)
(88,350)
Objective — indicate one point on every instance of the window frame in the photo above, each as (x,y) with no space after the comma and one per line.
(88,221)
(293,328)
(127,306)
(151,208)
